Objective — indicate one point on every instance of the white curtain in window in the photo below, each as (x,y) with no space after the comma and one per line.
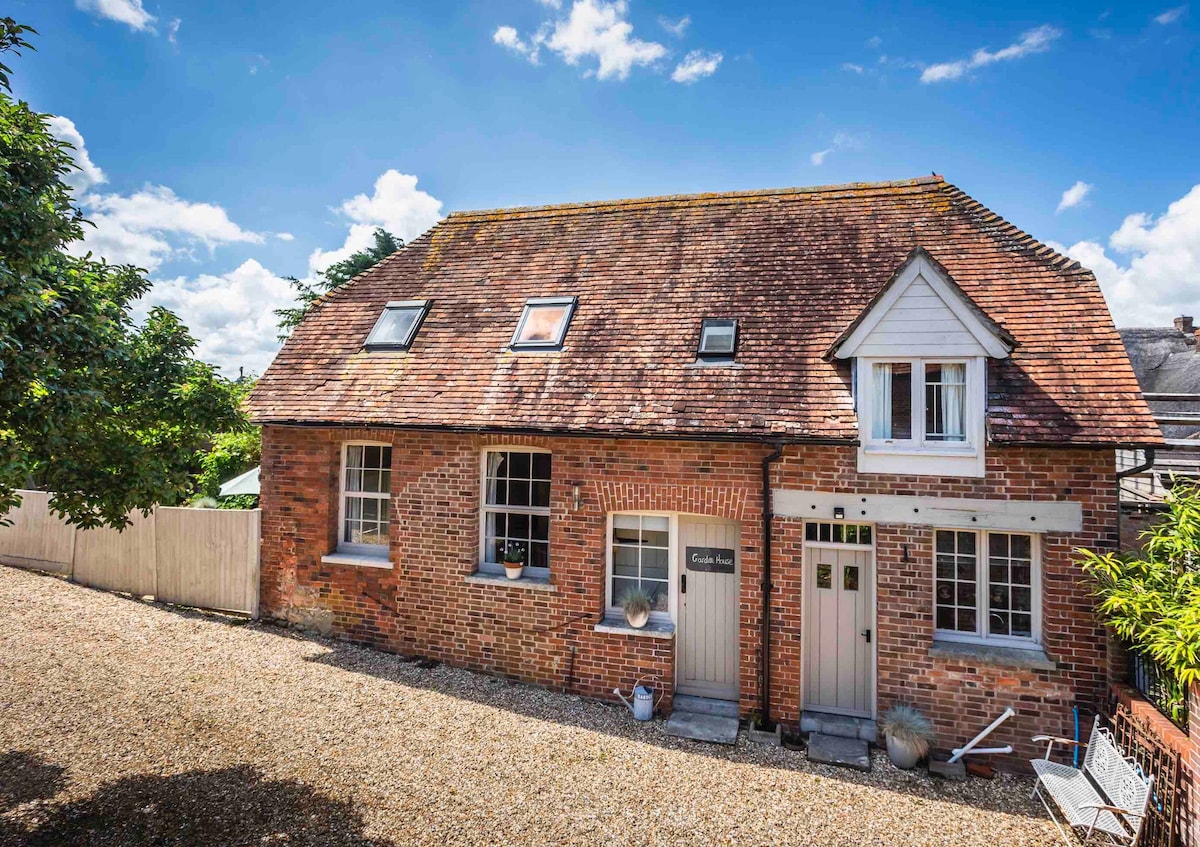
(493,459)
(881,410)
(954,384)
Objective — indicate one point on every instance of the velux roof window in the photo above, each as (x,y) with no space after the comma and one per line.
(718,338)
(398,325)
(543,324)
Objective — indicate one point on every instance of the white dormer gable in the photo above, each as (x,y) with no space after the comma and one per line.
(920,351)
(922,312)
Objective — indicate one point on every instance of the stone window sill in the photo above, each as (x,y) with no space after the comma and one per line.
(356,560)
(530,583)
(617,625)
(1026,658)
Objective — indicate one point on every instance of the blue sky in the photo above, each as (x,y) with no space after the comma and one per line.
(226,144)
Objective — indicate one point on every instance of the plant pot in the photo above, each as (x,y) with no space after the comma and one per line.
(904,754)
(513,571)
(637,620)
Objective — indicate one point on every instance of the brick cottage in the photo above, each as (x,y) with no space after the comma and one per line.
(845,438)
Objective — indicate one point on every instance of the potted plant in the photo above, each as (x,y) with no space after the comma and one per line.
(514,561)
(636,603)
(909,736)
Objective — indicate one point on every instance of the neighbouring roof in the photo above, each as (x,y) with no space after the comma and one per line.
(794,266)
(1165,361)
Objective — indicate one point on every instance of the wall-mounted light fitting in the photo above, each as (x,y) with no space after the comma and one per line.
(577,497)
(838,513)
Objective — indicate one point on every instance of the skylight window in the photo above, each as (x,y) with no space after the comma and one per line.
(543,324)
(398,325)
(718,339)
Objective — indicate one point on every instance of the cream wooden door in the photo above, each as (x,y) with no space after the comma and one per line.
(839,629)
(710,570)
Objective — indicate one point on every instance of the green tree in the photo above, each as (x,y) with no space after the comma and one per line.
(106,414)
(335,276)
(230,453)
(1152,598)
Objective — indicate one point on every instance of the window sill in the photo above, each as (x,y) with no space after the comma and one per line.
(356,560)
(617,625)
(531,583)
(1032,658)
(887,450)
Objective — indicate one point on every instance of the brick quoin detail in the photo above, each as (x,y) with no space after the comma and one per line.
(426,607)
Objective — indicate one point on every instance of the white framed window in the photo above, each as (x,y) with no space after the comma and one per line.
(914,407)
(515,508)
(363,498)
(640,551)
(718,338)
(543,323)
(987,587)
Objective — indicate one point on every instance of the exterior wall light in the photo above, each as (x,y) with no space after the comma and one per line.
(577,497)
(838,513)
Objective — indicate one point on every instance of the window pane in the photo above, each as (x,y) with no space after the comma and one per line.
(620,587)
(625,561)
(541,466)
(717,337)
(518,525)
(539,554)
(945,396)
(1010,592)
(626,535)
(539,527)
(824,576)
(395,325)
(892,401)
(660,597)
(810,532)
(850,578)
(956,595)
(539,495)
(654,563)
(542,324)
(1022,625)
(518,492)
(518,465)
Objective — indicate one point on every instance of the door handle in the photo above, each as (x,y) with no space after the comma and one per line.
(683,583)
(866,633)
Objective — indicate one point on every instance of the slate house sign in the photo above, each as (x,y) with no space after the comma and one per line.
(710,559)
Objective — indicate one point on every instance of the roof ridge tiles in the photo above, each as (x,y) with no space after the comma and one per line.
(708,198)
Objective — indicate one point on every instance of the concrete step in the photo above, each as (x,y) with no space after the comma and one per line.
(714,729)
(835,750)
(705,706)
(841,726)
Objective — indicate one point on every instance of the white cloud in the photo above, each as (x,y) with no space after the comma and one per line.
(173,30)
(695,66)
(1155,274)
(397,205)
(508,37)
(231,315)
(593,29)
(149,226)
(676,28)
(1073,196)
(874,41)
(1170,15)
(285,236)
(129,12)
(841,141)
(87,173)
(553,4)
(1033,41)
(852,68)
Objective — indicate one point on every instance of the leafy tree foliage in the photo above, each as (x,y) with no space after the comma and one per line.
(1152,598)
(232,452)
(335,276)
(105,414)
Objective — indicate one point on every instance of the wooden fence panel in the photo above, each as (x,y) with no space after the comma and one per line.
(208,558)
(118,561)
(36,537)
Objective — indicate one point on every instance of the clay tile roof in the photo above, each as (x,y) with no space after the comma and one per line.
(794,266)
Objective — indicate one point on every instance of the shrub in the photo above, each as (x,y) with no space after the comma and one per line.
(908,725)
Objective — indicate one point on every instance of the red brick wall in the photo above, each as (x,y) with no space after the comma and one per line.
(961,695)
(426,607)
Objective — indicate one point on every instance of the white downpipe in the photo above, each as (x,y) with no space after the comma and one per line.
(970,745)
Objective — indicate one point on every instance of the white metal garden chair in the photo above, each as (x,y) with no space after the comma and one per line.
(1105,799)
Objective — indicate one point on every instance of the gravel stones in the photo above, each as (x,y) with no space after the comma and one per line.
(128,723)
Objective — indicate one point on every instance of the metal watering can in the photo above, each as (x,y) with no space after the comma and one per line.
(643,701)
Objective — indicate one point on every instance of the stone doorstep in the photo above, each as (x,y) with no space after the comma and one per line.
(704,706)
(835,750)
(841,726)
(714,729)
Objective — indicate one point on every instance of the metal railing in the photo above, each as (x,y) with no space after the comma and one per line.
(1159,686)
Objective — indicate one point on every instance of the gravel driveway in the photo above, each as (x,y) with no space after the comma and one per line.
(123,722)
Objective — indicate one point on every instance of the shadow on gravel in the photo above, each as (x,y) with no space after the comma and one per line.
(233,806)
(25,777)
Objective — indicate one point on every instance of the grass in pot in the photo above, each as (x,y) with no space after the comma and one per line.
(909,736)
(514,561)
(636,603)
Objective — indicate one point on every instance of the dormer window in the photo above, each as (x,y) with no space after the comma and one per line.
(543,324)
(718,339)
(398,325)
(918,403)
